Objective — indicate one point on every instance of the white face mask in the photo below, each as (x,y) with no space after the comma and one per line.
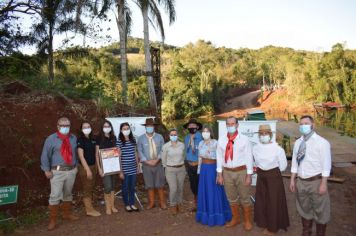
(265,139)
(86,131)
(107,130)
(126,132)
(206,135)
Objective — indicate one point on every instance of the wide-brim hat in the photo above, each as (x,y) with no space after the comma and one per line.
(193,121)
(264,128)
(150,121)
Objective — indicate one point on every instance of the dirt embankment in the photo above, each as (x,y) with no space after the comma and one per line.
(26,119)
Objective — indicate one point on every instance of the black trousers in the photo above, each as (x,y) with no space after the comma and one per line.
(193,178)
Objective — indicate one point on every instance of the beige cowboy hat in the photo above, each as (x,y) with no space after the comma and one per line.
(264,128)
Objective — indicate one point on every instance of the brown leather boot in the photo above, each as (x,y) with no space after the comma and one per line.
(174,210)
(235,210)
(67,211)
(320,229)
(151,198)
(307,227)
(112,202)
(162,199)
(89,209)
(194,209)
(247,217)
(53,212)
(107,199)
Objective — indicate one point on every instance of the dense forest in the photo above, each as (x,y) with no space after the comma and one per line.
(195,78)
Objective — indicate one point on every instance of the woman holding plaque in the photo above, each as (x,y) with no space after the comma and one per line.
(129,162)
(107,139)
(87,169)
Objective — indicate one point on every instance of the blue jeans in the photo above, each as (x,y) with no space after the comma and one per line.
(128,189)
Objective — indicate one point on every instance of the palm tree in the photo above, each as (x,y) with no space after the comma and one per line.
(149,8)
(123,21)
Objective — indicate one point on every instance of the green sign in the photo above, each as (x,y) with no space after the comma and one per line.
(8,194)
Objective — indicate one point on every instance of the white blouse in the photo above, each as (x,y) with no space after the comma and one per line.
(269,156)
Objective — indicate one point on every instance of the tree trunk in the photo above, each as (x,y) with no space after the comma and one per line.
(123,56)
(50,54)
(150,82)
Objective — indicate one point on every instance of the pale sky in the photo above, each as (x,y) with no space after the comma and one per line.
(300,24)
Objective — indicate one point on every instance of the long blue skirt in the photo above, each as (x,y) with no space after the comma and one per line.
(213,207)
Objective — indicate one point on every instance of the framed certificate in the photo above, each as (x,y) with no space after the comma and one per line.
(110,160)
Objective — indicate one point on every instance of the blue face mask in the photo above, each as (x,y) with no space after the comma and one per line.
(231,129)
(173,138)
(305,129)
(149,130)
(64,130)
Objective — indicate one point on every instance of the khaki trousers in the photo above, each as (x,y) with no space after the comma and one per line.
(310,204)
(61,186)
(235,188)
(175,178)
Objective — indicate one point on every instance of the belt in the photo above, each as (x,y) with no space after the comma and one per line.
(235,169)
(193,163)
(176,166)
(63,168)
(208,161)
(311,178)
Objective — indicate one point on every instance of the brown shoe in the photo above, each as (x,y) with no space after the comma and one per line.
(162,199)
(112,202)
(269,233)
(67,211)
(194,209)
(151,198)
(89,209)
(247,210)
(53,212)
(307,227)
(235,210)
(320,229)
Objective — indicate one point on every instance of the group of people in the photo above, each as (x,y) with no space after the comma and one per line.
(219,173)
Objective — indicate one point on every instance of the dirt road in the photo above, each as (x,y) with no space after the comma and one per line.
(159,222)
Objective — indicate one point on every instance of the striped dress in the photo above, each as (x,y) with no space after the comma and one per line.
(128,158)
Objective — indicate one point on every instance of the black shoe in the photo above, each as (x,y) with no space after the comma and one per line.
(128,209)
(134,208)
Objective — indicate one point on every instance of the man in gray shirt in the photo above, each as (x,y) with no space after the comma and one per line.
(59,163)
(149,146)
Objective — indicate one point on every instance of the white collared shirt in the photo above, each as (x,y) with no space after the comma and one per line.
(269,156)
(242,154)
(317,158)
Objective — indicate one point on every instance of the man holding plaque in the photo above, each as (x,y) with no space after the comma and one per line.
(59,163)
(149,147)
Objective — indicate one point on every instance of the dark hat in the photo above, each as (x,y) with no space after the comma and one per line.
(150,121)
(193,121)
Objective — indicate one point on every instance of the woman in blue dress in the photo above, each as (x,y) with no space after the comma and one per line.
(213,206)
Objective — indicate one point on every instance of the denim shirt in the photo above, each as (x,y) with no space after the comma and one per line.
(190,156)
(143,146)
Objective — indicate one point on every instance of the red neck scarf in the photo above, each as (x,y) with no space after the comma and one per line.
(229,152)
(66,148)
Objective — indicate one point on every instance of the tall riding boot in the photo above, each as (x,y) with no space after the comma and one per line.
(89,209)
(247,217)
(107,199)
(67,213)
(194,209)
(53,212)
(307,227)
(162,199)
(112,199)
(151,198)
(320,229)
(235,211)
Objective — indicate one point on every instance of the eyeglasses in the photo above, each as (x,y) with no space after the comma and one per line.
(63,125)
